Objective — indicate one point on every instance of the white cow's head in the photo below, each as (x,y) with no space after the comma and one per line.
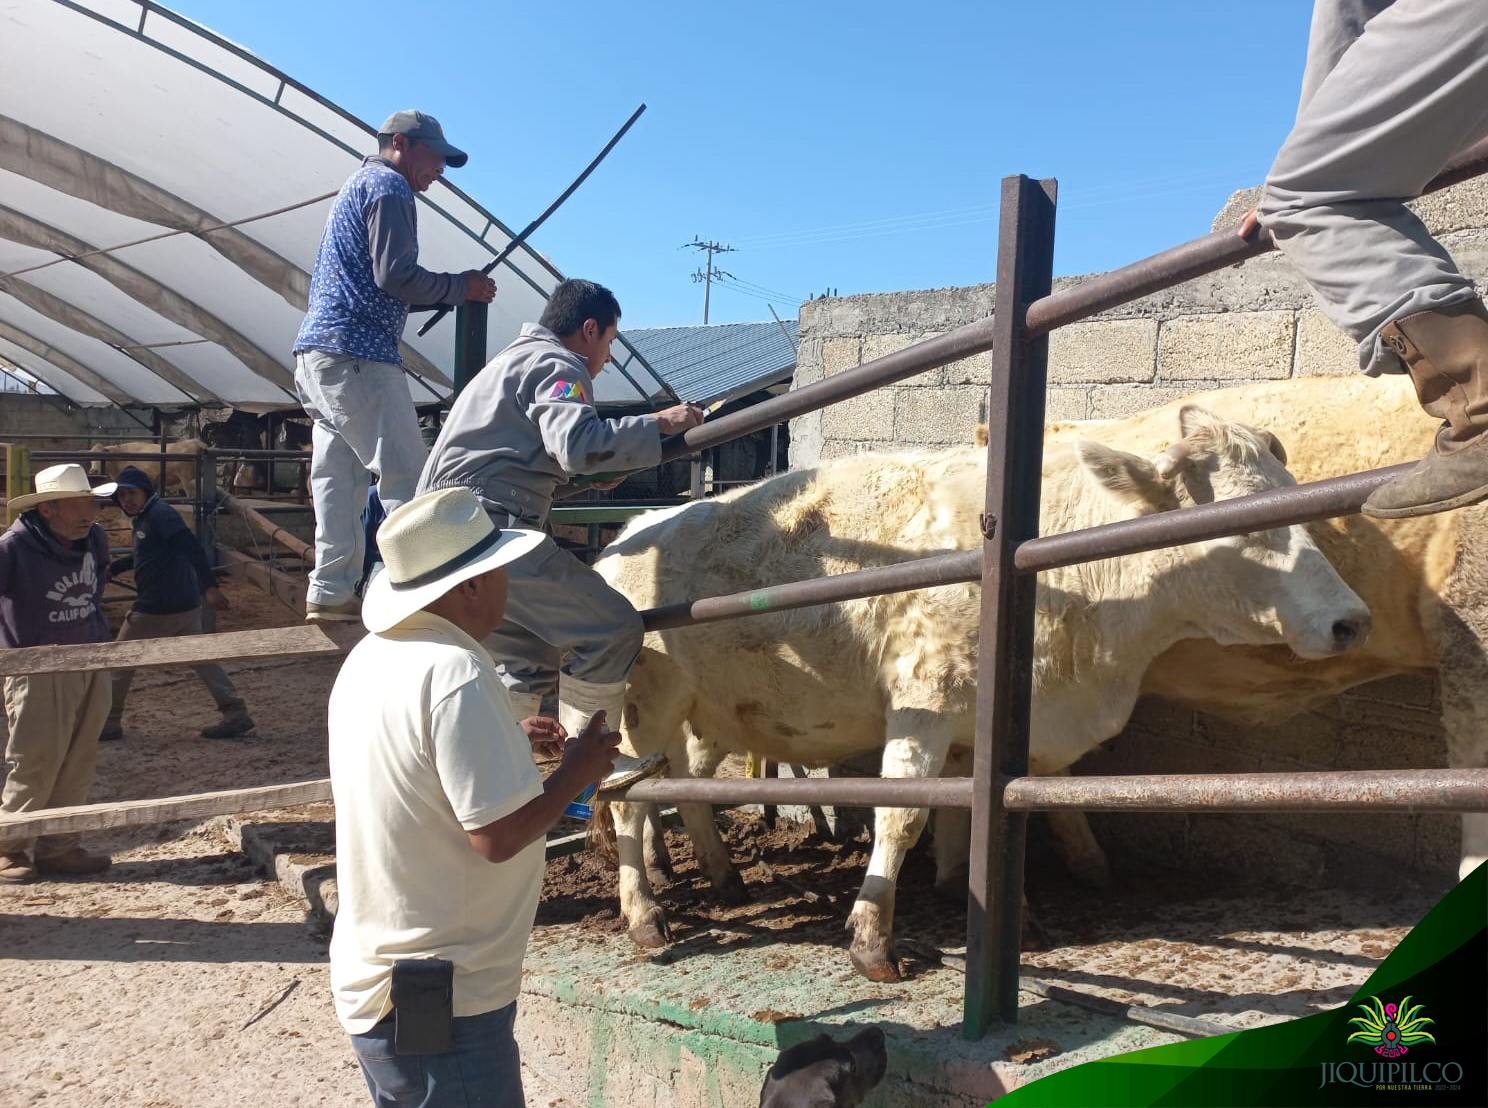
(1269,587)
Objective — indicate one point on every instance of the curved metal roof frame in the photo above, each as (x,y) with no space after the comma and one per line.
(184,265)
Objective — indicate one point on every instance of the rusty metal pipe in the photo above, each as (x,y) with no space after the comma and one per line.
(1383,790)
(1280,507)
(963,342)
(1333,496)
(844,792)
(922,573)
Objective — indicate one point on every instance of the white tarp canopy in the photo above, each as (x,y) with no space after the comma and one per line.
(121,120)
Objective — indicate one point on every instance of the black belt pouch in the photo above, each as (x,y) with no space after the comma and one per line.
(423,996)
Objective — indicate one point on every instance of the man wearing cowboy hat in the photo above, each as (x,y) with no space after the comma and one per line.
(53,563)
(440,814)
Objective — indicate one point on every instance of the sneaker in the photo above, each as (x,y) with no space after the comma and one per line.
(16,869)
(348,611)
(629,770)
(230,727)
(76,862)
(111,733)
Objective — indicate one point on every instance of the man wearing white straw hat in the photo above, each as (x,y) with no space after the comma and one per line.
(53,562)
(440,814)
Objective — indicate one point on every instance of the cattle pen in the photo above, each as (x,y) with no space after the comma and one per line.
(1000,792)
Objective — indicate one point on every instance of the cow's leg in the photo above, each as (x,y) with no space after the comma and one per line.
(1463,672)
(1083,856)
(645,920)
(916,746)
(952,833)
(702,760)
(656,701)
(658,859)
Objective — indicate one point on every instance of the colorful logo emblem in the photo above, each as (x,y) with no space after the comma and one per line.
(567,390)
(1390,1030)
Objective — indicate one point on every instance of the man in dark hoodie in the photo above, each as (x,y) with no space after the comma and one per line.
(53,563)
(171,579)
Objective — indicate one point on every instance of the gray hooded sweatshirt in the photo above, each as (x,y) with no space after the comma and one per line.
(526,424)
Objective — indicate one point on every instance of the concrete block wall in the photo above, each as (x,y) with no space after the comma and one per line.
(1249,323)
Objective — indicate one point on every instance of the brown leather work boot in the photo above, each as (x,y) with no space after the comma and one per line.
(76,862)
(16,869)
(1446,353)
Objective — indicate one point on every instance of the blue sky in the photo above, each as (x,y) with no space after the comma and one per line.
(851,146)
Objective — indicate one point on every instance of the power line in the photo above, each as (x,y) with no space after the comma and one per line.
(709,271)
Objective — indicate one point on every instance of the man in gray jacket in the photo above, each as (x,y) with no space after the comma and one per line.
(524,426)
(348,370)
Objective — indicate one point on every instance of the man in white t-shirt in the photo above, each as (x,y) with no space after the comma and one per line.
(440,814)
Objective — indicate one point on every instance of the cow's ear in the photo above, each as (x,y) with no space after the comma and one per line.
(1127,476)
(1273,444)
(979,436)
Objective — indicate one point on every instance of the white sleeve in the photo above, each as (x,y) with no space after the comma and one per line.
(481,754)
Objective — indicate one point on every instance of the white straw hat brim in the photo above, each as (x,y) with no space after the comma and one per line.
(384,605)
(31,499)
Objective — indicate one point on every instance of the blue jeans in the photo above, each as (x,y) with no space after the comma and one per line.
(484,1070)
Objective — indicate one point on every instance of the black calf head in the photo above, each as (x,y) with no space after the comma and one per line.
(826,1074)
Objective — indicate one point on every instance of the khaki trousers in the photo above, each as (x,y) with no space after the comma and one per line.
(54,721)
(141,625)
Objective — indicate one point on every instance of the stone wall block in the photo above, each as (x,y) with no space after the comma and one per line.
(869,417)
(1322,349)
(1104,352)
(936,417)
(1226,347)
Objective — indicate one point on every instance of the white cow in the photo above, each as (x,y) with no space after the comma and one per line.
(897,673)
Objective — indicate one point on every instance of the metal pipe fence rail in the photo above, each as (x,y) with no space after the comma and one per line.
(1000,790)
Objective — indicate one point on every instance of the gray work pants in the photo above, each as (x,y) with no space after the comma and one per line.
(557,604)
(364,421)
(1391,92)
(142,625)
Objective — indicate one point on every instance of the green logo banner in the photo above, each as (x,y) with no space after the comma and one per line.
(1416,1033)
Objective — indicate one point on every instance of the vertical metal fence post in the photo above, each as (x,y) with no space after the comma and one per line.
(1015,431)
(206,528)
(470,342)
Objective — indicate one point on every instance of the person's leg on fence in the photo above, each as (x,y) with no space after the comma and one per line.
(87,695)
(327,385)
(561,601)
(375,416)
(1379,119)
(1382,119)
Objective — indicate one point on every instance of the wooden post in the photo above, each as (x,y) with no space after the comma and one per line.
(470,342)
(17,477)
(1015,430)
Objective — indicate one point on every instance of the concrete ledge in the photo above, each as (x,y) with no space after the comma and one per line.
(697,1025)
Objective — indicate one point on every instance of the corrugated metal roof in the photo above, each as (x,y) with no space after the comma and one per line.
(717,362)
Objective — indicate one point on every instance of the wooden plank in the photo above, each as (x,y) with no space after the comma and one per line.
(286,587)
(137,813)
(310,640)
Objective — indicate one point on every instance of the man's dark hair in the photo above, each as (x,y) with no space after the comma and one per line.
(385,143)
(576,300)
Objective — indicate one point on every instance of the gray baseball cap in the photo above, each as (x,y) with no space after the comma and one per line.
(425,128)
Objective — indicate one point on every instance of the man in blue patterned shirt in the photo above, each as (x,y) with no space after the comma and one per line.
(348,371)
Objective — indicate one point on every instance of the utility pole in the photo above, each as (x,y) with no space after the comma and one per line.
(708,271)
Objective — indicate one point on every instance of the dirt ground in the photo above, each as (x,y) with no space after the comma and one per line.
(185,978)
